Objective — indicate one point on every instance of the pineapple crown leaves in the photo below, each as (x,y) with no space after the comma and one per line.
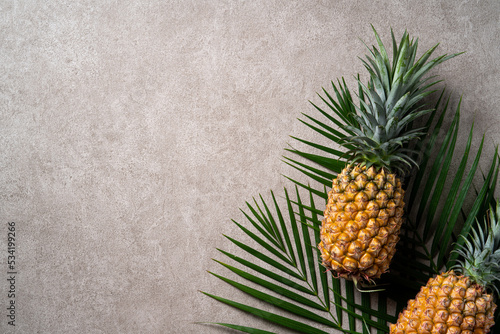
(481,254)
(388,104)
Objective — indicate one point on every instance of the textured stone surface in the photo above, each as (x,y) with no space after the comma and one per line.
(132,131)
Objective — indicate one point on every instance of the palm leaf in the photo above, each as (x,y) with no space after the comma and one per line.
(244,329)
(285,240)
(303,288)
(281,266)
(272,317)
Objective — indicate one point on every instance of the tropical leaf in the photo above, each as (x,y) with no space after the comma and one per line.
(281,266)
(284,261)
(290,278)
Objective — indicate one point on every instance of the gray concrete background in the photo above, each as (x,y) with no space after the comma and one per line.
(133,131)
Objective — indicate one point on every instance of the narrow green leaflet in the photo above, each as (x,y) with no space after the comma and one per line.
(279,302)
(274,287)
(272,317)
(271,274)
(244,329)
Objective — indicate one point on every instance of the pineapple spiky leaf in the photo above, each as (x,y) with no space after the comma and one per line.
(480,256)
(390,103)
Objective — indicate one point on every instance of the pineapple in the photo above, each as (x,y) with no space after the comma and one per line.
(365,206)
(458,301)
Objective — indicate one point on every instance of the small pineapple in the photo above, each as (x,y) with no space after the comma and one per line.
(365,206)
(458,301)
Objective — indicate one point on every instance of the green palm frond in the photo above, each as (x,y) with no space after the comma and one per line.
(281,266)
(282,269)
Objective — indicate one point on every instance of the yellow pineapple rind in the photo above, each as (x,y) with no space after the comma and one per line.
(447,304)
(361,222)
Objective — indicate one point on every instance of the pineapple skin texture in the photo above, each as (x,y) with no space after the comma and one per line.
(448,304)
(361,222)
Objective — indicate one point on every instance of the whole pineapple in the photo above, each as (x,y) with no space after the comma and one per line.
(458,301)
(365,211)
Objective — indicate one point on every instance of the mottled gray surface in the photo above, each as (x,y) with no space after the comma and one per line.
(132,131)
